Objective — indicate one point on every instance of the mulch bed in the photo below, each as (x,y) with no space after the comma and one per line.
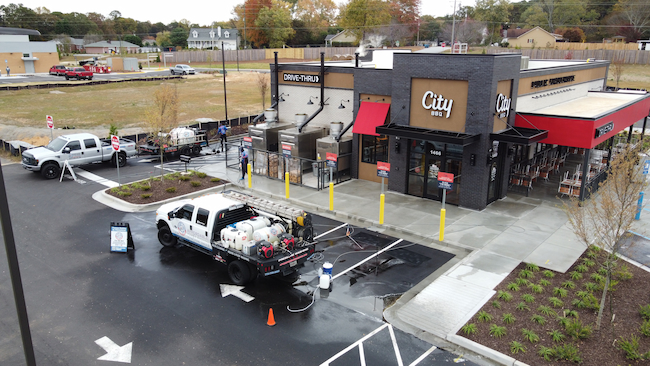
(601,348)
(158,191)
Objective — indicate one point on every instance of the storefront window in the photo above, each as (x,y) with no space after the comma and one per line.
(374,148)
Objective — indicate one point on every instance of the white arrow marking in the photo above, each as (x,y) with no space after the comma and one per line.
(114,352)
(235,291)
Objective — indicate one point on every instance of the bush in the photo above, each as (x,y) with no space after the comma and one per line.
(522,282)
(145,187)
(530,336)
(526,273)
(557,303)
(214,180)
(644,311)
(145,195)
(544,282)
(504,295)
(528,298)
(557,336)
(469,328)
(513,287)
(582,268)
(538,319)
(645,328)
(575,275)
(496,304)
(532,267)
(546,352)
(497,331)
(545,310)
(590,286)
(568,352)
(171,189)
(538,289)
(522,306)
(631,348)
(195,183)
(509,318)
(569,284)
(201,175)
(483,316)
(576,330)
(588,262)
(559,291)
(549,274)
(516,347)
(184,178)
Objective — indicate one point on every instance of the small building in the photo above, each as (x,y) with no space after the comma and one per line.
(529,38)
(345,36)
(644,45)
(112,47)
(204,38)
(23,56)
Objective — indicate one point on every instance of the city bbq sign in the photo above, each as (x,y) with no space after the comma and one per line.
(437,104)
(503,106)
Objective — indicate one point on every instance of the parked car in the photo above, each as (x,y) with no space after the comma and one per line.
(58,70)
(78,73)
(182,70)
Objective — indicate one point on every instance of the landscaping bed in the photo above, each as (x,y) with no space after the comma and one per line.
(171,185)
(537,313)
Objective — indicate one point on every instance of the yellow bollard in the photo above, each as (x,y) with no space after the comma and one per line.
(382,197)
(250,178)
(286,184)
(442,224)
(331,196)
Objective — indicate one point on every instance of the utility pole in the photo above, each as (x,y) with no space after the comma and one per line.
(453,28)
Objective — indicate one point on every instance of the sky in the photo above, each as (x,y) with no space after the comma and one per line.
(202,13)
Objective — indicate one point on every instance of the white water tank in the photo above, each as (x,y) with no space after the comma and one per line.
(270,115)
(335,128)
(249,226)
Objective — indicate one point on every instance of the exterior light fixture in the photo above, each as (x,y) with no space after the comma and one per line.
(343,100)
(282,99)
(310,102)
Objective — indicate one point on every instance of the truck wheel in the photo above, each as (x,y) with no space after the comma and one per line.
(67,77)
(172,72)
(184,73)
(196,150)
(166,238)
(50,170)
(90,78)
(239,272)
(121,159)
(185,150)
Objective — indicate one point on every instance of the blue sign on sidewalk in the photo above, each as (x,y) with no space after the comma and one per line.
(445,185)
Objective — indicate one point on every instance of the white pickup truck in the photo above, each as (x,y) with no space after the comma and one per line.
(253,236)
(77,149)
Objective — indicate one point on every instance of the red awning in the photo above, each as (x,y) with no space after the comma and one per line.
(370,116)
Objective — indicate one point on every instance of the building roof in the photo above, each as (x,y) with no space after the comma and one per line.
(518,33)
(212,34)
(19,31)
(112,44)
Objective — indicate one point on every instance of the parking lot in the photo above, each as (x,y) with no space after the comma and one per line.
(176,306)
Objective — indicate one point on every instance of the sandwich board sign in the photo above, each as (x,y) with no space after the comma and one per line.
(121,238)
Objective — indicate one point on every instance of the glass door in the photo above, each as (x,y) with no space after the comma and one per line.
(434,163)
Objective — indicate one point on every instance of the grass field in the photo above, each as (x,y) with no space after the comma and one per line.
(124,104)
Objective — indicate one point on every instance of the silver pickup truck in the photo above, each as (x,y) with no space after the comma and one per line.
(182,70)
(78,149)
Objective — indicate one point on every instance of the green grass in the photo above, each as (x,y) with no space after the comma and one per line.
(496,304)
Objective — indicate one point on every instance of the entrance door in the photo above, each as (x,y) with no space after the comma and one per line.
(433,164)
(493,179)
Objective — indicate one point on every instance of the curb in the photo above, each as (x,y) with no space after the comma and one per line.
(484,351)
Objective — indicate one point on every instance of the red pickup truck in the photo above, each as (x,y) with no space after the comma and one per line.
(78,73)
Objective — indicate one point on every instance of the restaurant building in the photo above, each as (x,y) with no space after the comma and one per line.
(483,118)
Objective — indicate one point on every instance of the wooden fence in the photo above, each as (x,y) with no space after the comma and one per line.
(595,46)
(310,54)
(627,56)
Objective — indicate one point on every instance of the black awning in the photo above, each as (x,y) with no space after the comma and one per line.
(417,133)
(520,135)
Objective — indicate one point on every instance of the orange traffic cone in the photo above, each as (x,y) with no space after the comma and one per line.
(271,321)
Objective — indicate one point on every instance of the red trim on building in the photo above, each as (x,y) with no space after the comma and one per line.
(370,116)
(581,132)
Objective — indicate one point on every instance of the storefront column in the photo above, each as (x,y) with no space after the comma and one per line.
(645,121)
(629,134)
(585,173)
(609,151)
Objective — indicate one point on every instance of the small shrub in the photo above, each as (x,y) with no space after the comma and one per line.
(509,318)
(588,262)
(530,336)
(569,284)
(170,177)
(597,278)
(644,311)
(576,330)
(570,313)
(559,291)
(146,195)
(645,328)
(504,295)
(544,282)
(532,267)
(602,272)
(538,319)
(214,180)
(522,306)
(526,273)
(590,286)
(545,310)
(469,328)
(549,274)
(124,193)
(201,175)
(591,255)
(145,188)
(135,185)
(538,289)
(594,248)
(195,183)
(496,304)
(184,178)
(484,316)
(546,352)
(575,275)
(568,352)
(522,282)
(630,347)
(528,298)
(497,331)
(581,268)
(171,189)
(513,287)
(563,321)
(557,336)
(555,302)
(516,347)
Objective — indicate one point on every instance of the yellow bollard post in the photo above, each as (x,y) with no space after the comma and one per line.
(382,197)
(443,212)
(250,178)
(286,184)
(331,196)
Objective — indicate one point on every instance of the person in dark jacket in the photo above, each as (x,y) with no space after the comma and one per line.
(244,162)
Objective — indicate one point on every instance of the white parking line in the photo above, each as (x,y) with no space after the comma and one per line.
(367,259)
(96,178)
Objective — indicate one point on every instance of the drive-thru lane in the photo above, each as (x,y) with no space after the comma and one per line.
(167,302)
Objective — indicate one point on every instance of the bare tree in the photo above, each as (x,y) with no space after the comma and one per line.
(162,117)
(607,216)
(617,70)
(263,86)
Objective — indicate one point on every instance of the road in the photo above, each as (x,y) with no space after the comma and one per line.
(174,306)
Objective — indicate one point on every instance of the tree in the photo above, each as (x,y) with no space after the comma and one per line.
(246,15)
(263,81)
(178,37)
(17,16)
(406,13)
(316,15)
(467,31)
(574,34)
(635,13)
(133,39)
(162,117)
(607,216)
(430,28)
(551,14)
(617,69)
(162,39)
(275,22)
(493,13)
(361,16)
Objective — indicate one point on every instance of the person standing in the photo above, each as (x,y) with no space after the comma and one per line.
(222,130)
(8,71)
(244,162)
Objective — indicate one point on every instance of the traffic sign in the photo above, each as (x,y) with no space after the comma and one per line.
(286,150)
(115,142)
(383,169)
(50,122)
(332,159)
(248,142)
(445,180)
